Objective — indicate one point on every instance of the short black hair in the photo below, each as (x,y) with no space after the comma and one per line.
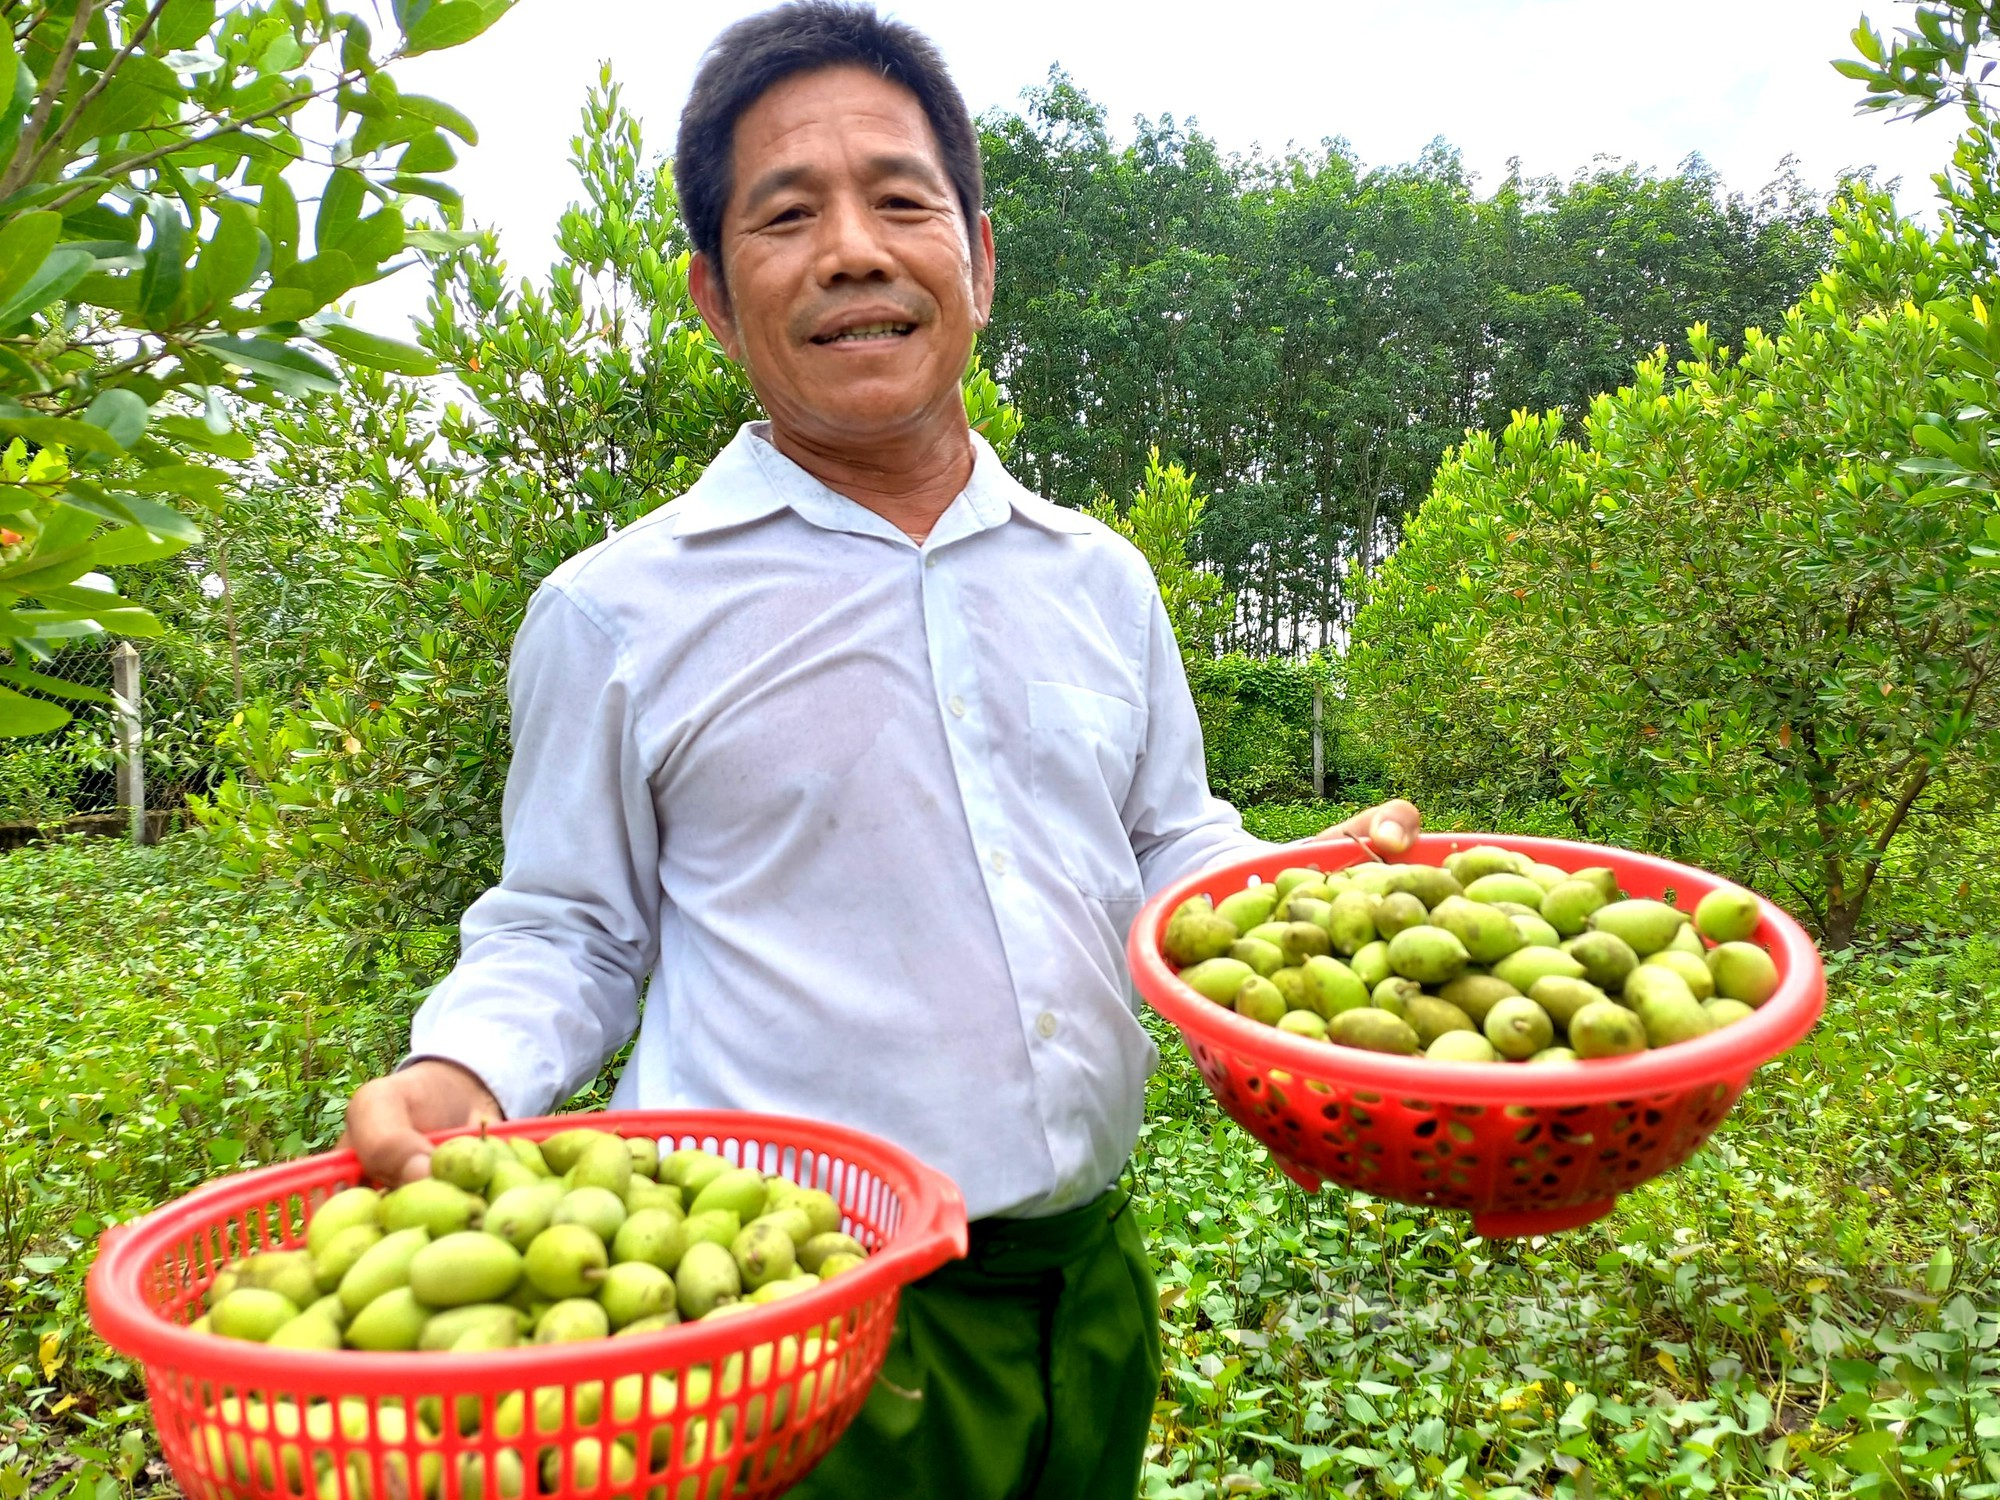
(804,36)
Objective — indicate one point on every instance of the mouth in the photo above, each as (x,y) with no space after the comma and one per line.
(867,333)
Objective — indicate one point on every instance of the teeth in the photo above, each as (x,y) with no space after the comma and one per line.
(872,331)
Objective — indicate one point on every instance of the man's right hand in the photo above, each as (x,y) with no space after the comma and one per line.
(387,1118)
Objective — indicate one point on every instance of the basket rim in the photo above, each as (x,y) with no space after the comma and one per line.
(933,1231)
(1735,1051)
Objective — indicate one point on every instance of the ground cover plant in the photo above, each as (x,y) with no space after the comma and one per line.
(1807,1308)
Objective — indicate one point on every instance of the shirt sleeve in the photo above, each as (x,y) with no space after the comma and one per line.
(551,959)
(1175,825)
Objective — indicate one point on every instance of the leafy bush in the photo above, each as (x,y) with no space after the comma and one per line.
(38,783)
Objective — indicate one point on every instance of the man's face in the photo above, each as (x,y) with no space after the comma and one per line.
(852,294)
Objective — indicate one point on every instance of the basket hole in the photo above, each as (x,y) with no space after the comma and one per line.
(1519,1112)
(1424,1131)
(1418,1106)
(1655,1118)
(1254,1084)
(1527,1134)
(1368,1098)
(1465,1135)
(1468,1111)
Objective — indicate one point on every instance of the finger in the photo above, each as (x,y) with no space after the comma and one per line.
(1393,826)
(379,1128)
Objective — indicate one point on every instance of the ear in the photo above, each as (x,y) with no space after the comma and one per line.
(983,266)
(712,297)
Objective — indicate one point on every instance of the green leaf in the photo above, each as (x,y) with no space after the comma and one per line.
(339,208)
(21,716)
(452,23)
(55,687)
(429,152)
(130,510)
(184,22)
(139,93)
(49,432)
(278,217)
(48,569)
(374,351)
(305,286)
(160,282)
(192,432)
(24,245)
(233,257)
(374,240)
(121,413)
(15,110)
(53,279)
(442,115)
(289,369)
(204,485)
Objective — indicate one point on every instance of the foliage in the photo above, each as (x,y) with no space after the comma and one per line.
(1161,519)
(127,337)
(1732,621)
(38,784)
(1308,335)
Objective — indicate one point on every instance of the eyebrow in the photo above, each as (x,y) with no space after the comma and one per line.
(891,165)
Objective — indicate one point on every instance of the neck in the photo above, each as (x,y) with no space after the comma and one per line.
(909,484)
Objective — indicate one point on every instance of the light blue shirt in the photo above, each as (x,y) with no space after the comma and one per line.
(873,817)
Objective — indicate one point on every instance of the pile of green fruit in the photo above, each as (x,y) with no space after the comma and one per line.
(1490,958)
(586,1236)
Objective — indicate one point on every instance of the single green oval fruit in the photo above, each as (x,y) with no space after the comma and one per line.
(1287,880)
(1468,865)
(1744,972)
(341,1212)
(446,1328)
(330,1308)
(691,1170)
(510,1476)
(1302,940)
(521,1213)
(1249,907)
(833,1265)
(1260,1000)
(287,1272)
(605,1164)
(1722,1012)
(1217,979)
(1303,1023)
(1518,1028)
(565,1260)
(1518,888)
(821,1207)
(1655,982)
(1568,905)
(813,1253)
(1430,1018)
(1548,877)
(707,1275)
(643,1192)
(1193,936)
(1394,995)
(651,1235)
(645,1156)
(1254,954)
(1672,1019)
(1428,955)
(251,1313)
(719,1226)
(509,1174)
(1605,1028)
(1302,906)
(466,1267)
(529,1154)
(1332,987)
(1485,930)
(309,1330)
(1399,912)
(1430,884)
(1534,932)
(1562,997)
(1370,963)
(1296,989)
(1351,925)
(1461,1046)
(634,1289)
(1687,940)
(1373,1030)
(573,1320)
(382,1267)
(740,1189)
(1700,983)
(1727,914)
(1524,966)
(792,1219)
(1371,878)
(430,1204)
(1648,926)
(764,1252)
(669,1319)
(1604,878)
(465,1161)
(1606,959)
(393,1321)
(1476,994)
(598,1209)
(1555,1055)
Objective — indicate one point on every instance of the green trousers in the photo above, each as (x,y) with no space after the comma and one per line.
(1026,1371)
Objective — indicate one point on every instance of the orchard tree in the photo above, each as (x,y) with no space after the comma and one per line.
(158,276)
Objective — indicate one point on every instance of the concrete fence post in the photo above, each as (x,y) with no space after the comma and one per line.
(1319,740)
(130,707)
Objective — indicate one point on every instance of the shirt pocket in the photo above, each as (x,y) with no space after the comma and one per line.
(1083,748)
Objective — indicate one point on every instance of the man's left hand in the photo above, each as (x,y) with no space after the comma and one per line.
(1389,829)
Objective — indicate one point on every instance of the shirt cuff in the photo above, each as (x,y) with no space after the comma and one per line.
(520,1094)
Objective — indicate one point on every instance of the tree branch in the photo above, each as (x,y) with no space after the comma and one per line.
(139,35)
(45,106)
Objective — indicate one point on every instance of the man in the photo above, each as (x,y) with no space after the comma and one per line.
(867,757)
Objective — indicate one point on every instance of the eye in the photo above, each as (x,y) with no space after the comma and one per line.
(788,215)
(901,202)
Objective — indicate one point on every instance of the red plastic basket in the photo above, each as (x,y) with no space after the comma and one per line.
(780,1385)
(1527,1150)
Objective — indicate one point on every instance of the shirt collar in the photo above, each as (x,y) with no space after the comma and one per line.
(750,480)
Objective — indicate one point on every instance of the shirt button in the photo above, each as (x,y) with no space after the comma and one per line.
(999,861)
(957,706)
(931,561)
(1046,1023)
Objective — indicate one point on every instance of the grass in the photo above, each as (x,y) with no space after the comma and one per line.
(1807,1308)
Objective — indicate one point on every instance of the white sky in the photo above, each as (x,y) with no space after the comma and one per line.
(1554,82)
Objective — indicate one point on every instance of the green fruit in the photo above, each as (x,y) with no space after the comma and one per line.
(597,1209)
(1370,963)
(822,1208)
(382,1268)
(1554,1055)
(1687,940)
(1548,877)
(740,1188)
(1606,959)
(447,1328)
(431,1204)
(1298,941)
(645,1156)
(1607,1031)
(1512,909)
(1672,1019)
(605,1164)
(792,1219)
(1429,955)
(764,1252)
(1518,1028)
(565,1260)
(509,1174)
(791,1286)
(342,1212)
(1431,1018)
(643,1192)
(1331,987)
(1534,932)
(657,1324)
(1461,1046)
(1254,954)
(1428,883)
(521,1213)
(1371,879)
(465,1267)
(717,1226)
(833,1265)
(652,1236)
(707,1275)
(1485,931)
(1655,982)
(1468,865)
(330,1308)
(692,1170)
(393,1321)
(591,1465)
(1700,983)
(813,1253)
(633,1289)
(1725,1012)
(1524,966)
(252,1313)
(1727,914)
(1218,979)
(1298,875)
(529,1155)
(1568,905)
(1373,1030)
(1260,1000)
(565,1148)
(1604,878)
(1743,971)
(1304,908)
(289,1273)
(1476,994)
(1248,908)
(1398,912)
(309,1330)
(1296,989)
(1648,926)
(465,1161)
(510,1476)
(1303,1023)
(1522,889)
(573,1320)
(1193,936)
(1394,995)
(1563,997)
(1351,926)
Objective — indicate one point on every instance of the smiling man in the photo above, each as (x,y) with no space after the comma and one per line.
(859,761)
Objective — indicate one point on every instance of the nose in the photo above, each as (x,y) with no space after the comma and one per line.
(850,243)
